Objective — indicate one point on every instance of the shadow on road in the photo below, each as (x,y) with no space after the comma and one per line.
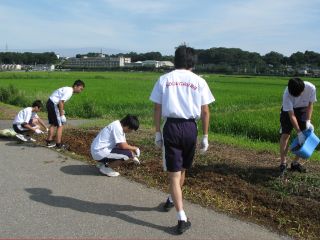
(80,170)
(45,196)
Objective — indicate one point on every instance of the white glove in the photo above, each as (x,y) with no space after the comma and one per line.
(204,144)
(158,140)
(136,161)
(138,152)
(301,138)
(38,131)
(309,125)
(63,119)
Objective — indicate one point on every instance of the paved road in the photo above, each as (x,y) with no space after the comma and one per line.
(47,195)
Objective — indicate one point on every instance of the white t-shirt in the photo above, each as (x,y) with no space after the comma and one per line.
(61,94)
(24,116)
(107,139)
(181,94)
(308,95)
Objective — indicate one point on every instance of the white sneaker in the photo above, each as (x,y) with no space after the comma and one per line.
(31,139)
(108,171)
(136,161)
(21,137)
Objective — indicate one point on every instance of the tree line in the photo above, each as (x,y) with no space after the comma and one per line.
(219,60)
(28,58)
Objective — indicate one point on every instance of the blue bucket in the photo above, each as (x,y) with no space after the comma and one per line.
(305,151)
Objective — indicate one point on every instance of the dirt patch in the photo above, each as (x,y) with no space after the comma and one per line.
(240,182)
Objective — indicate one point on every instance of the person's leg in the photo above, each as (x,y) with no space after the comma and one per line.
(59,134)
(175,189)
(284,139)
(51,133)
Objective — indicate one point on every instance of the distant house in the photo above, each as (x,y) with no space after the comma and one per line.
(157,64)
(10,67)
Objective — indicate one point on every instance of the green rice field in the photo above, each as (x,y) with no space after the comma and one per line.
(245,106)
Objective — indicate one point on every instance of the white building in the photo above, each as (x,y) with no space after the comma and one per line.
(96,62)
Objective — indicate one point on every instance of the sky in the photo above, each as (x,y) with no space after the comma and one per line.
(113,26)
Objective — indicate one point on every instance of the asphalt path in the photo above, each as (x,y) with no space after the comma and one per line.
(45,194)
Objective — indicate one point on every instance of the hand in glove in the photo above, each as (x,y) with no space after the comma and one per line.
(136,161)
(38,131)
(138,152)
(204,144)
(158,140)
(301,138)
(63,119)
(309,125)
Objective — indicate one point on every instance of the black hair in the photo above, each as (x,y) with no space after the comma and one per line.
(37,103)
(184,57)
(295,86)
(78,83)
(130,121)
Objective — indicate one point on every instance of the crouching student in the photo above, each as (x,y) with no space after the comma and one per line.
(28,122)
(110,147)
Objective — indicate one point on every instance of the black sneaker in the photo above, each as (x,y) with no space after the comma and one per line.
(168,205)
(298,167)
(61,146)
(283,168)
(50,143)
(183,226)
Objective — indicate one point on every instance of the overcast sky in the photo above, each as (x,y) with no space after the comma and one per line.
(284,26)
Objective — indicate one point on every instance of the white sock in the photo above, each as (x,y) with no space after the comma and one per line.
(170,198)
(181,215)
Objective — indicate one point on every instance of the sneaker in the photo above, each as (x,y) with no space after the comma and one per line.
(108,171)
(50,143)
(283,168)
(30,139)
(168,205)
(61,146)
(183,226)
(21,137)
(298,167)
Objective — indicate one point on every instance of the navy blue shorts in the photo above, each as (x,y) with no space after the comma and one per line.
(117,154)
(180,140)
(52,113)
(286,125)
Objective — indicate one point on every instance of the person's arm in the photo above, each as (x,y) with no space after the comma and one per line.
(157,116)
(61,107)
(205,117)
(42,123)
(28,126)
(309,111)
(294,121)
(125,145)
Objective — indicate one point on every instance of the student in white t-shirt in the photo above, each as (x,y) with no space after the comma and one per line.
(28,122)
(296,113)
(181,98)
(56,113)
(110,147)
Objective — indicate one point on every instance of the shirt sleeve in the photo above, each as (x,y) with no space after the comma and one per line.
(287,104)
(313,96)
(118,135)
(156,94)
(206,95)
(67,93)
(27,116)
